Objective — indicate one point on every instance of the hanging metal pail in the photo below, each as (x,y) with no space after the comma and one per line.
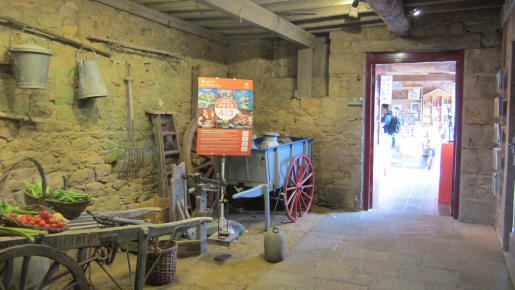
(31,63)
(91,83)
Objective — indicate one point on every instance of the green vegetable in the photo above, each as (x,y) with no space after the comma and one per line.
(23,232)
(36,189)
(6,208)
(71,196)
(59,194)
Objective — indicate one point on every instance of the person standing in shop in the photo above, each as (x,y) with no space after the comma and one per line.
(386,118)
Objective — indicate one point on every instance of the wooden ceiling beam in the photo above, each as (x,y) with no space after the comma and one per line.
(262,18)
(392,13)
(463,6)
(164,19)
(276,7)
(296,17)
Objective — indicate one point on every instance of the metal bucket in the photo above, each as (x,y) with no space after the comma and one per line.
(91,83)
(31,63)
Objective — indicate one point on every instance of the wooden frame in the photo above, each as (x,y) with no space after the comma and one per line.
(407,57)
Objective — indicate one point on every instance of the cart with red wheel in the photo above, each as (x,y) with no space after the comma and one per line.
(286,169)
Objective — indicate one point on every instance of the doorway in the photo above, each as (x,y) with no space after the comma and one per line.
(423,91)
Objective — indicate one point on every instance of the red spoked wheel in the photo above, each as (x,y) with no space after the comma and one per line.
(299,187)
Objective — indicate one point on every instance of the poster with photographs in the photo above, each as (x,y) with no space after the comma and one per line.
(225,116)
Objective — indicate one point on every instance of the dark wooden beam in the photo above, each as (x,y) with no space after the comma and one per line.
(162,18)
(262,18)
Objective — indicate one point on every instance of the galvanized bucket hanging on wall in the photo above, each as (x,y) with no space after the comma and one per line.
(91,83)
(31,63)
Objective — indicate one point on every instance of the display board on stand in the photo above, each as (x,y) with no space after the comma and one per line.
(225,115)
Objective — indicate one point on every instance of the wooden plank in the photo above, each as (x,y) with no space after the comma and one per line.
(179,195)
(304,73)
(155,203)
(178,192)
(195,73)
(135,47)
(16,117)
(162,18)
(260,17)
(50,35)
(314,9)
(283,6)
(296,16)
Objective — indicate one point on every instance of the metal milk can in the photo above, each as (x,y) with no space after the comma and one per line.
(275,248)
(269,140)
(91,83)
(31,63)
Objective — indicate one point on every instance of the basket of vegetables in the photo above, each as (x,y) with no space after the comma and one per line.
(70,203)
(44,220)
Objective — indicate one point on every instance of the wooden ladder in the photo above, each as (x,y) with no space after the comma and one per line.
(168,148)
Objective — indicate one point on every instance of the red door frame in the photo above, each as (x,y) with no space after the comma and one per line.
(407,57)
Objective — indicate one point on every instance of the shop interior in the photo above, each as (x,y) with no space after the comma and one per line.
(407,176)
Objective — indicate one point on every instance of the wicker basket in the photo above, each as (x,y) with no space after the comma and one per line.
(69,210)
(161,262)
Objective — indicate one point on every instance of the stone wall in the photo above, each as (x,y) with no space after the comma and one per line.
(338,127)
(86,140)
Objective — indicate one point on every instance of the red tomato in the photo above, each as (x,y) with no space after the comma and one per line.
(53,226)
(44,214)
(29,217)
(37,219)
(60,224)
(13,215)
(41,223)
(46,226)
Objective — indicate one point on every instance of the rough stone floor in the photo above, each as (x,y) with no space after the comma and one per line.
(383,250)
(353,250)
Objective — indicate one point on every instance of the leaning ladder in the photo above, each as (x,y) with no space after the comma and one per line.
(167,147)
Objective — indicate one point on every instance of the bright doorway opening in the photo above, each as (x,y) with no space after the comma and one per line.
(413,161)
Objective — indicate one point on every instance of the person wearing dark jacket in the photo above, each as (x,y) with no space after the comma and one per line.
(386,118)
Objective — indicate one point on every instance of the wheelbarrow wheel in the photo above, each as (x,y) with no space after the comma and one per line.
(299,187)
(63,269)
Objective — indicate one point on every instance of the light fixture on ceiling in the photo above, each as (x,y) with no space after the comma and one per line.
(416,12)
(356,2)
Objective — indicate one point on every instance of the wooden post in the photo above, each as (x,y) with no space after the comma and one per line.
(304,73)
(195,73)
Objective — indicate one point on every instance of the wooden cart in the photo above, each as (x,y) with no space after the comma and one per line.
(286,169)
(83,236)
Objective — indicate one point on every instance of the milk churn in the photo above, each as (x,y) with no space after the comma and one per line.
(31,63)
(269,140)
(275,249)
(91,83)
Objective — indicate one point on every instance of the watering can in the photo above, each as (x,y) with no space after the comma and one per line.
(31,63)
(91,83)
